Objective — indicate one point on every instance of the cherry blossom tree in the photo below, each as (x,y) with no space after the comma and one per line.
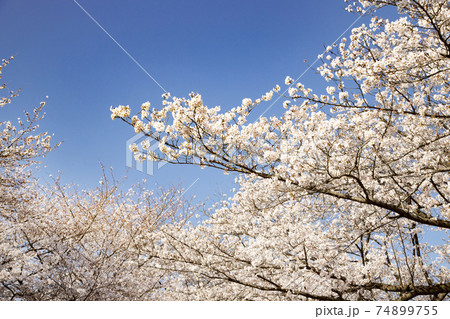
(87,245)
(20,149)
(345,196)
(59,243)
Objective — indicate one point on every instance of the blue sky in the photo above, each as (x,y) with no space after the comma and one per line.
(225,50)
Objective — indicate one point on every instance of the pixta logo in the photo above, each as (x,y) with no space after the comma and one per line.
(146,166)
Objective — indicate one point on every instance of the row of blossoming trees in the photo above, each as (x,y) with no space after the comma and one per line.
(345,196)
